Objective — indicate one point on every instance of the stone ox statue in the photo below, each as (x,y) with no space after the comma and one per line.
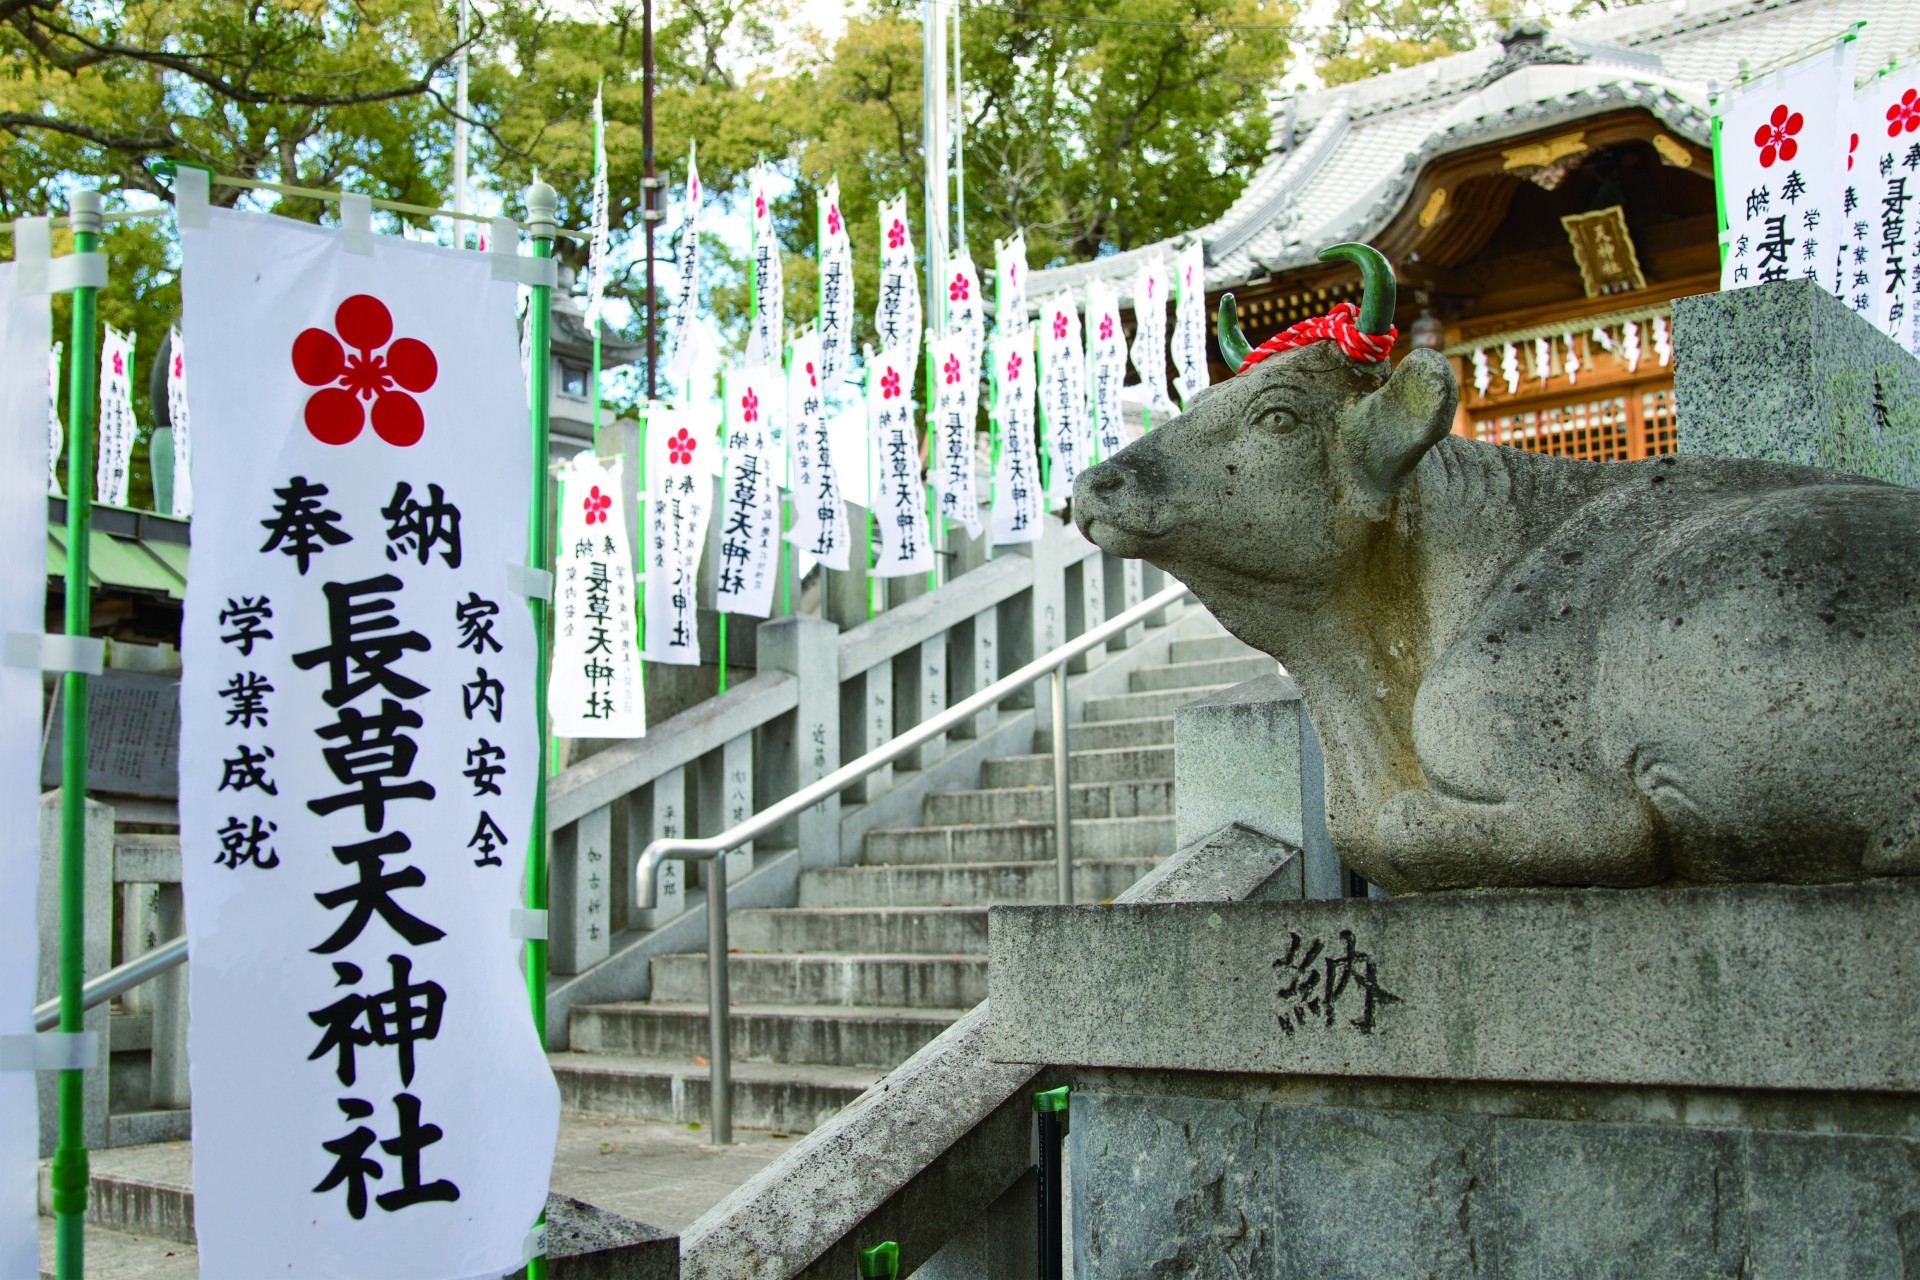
(1528,670)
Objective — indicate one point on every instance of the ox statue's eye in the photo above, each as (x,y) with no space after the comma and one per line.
(1279,418)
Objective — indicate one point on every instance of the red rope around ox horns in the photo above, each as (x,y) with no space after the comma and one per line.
(1337,324)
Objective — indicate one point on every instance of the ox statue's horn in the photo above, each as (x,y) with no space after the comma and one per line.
(1378,293)
(1234,346)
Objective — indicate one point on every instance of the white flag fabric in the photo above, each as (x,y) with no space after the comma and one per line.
(597,223)
(1106,370)
(1881,273)
(749,492)
(1149,352)
(956,391)
(1010,283)
(595,689)
(1782,161)
(896,315)
(681,460)
(686,304)
(118,430)
(766,327)
(56,438)
(179,427)
(1016,473)
(1063,396)
(836,290)
(25,327)
(1190,323)
(899,498)
(967,312)
(819,516)
(356,790)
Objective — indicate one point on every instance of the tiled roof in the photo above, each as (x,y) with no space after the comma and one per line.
(1360,147)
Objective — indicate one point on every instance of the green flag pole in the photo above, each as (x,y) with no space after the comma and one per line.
(541,224)
(69,1173)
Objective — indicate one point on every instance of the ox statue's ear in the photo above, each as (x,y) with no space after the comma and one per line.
(1391,429)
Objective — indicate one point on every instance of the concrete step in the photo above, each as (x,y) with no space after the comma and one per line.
(968,884)
(146,1189)
(1035,804)
(1108,764)
(791,1099)
(1133,706)
(1210,649)
(871,981)
(1153,731)
(824,1035)
(1200,675)
(938,931)
(1148,837)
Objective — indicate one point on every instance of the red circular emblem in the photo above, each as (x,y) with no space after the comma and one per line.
(334,414)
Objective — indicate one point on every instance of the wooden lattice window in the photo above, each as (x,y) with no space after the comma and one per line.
(1610,424)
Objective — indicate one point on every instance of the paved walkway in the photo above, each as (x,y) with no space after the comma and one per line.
(661,1174)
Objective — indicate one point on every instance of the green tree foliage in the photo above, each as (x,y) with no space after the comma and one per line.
(1368,37)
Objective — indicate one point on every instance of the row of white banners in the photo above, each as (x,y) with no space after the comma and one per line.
(1820,179)
(118,431)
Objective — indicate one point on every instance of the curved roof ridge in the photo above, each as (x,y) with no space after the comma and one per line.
(1275,186)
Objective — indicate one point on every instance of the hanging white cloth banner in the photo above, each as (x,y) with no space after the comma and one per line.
(967,312)
(56,437)
(956,391)
(595,690)
(118,430)
(836,291)
(1106,370)
(1883,269)
(1571,364)
(1063,397)
(357,781)
(1782,164)
(1190,323)
(1010,283)
(686,305)
(899,497)
(896,316)
(766,327)
(179,427)
(749,493)
(597,224)
(25,327)
(1016,474)
(819,516)
(681,460)
(1149,352)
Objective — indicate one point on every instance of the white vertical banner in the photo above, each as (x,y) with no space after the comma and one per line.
(967,312)
(1882,267)
(597,244)
(1016,473)
(749,493)
(25,326)
(899,496)
(1063,396)
(117,427)
(179,426)
(1106,370)
(1010,283)
(956,392)
(1782,165)
(595,690)
(1190,322)
(836,290)
(896,314)
(686,305)
(682,457)
(357,781)
(1149,351)
(766,327)
(56,437)
(819,516)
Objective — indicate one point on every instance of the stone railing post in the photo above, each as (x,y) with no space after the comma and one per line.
(1250,755)
(95,956)
(168,1051)
(580,893)
(803,746)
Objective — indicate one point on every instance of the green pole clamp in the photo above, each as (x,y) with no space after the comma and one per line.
(1052,1099)
(882,1262)
(68,1175)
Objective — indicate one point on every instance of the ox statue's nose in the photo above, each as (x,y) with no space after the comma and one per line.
(1105,478)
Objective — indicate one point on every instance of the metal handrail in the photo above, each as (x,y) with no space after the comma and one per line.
(116,981)
(706,848)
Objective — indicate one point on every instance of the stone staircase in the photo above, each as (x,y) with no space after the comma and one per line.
(879,958)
